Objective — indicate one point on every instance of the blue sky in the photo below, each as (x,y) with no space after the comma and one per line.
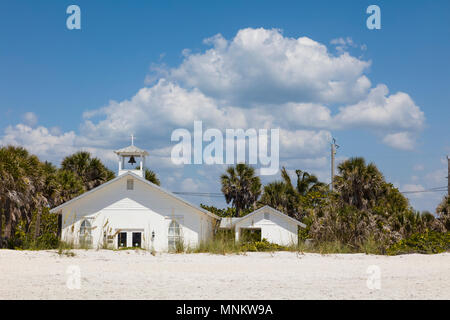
(50,76)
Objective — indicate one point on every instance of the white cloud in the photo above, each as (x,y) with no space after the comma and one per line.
(189,184)
(40,141)
(379,110)
(437,178)
(155,112)
(258,79)
(237,83)
(51,144)
(30,119)
(344,44)
(306,115)
(400,140)
(303,143)
(263,66)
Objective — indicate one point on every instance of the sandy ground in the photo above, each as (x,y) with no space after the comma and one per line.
(130,274)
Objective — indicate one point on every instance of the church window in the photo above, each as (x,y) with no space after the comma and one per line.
(130,184)
(174,235)
(85,233)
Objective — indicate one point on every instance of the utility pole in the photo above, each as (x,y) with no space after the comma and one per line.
(448,176)
(334,146)
(448,184)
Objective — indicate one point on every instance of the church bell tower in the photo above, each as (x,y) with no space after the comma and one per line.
(131,159)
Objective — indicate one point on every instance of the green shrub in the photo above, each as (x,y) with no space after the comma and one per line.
(65,248)
(430,242)
(223,244)
(179,246)
(371,246)
(261,246)
(303,233)
(24,235)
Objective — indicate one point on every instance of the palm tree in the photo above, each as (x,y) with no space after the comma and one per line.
(283,196)
(359,184)
(307,182)
(91,170)
(151,176)
(241,187)
(22,187)
(277,195)
(69,186)
(28,186)
(443,212)
(444,207)
(391,201)
(12,185)
(9,175)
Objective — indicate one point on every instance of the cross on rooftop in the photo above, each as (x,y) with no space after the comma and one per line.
(132,139)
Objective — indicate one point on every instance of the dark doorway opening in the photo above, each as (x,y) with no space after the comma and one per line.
(137,236)
(250,235)
(122,240)
(59,225)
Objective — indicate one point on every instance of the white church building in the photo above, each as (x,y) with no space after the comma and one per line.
(129,211)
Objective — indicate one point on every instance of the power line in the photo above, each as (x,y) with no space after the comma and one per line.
(219,195)
(436,189)
(448,176)
(203,194)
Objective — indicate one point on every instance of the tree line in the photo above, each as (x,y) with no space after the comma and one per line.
(363,207)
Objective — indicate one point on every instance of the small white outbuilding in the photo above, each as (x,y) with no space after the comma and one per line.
(267,223)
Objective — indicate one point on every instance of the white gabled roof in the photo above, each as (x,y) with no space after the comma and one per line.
(226,223)
(129,173)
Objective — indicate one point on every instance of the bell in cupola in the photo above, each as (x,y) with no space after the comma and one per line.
(132,161)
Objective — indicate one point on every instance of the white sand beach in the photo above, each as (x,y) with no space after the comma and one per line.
(133,274)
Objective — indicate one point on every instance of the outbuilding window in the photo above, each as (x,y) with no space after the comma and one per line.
(266,216)
(175,237)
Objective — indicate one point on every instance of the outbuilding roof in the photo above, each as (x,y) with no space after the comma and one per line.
(228,223)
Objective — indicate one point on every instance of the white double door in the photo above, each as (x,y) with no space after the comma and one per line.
(130,238)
